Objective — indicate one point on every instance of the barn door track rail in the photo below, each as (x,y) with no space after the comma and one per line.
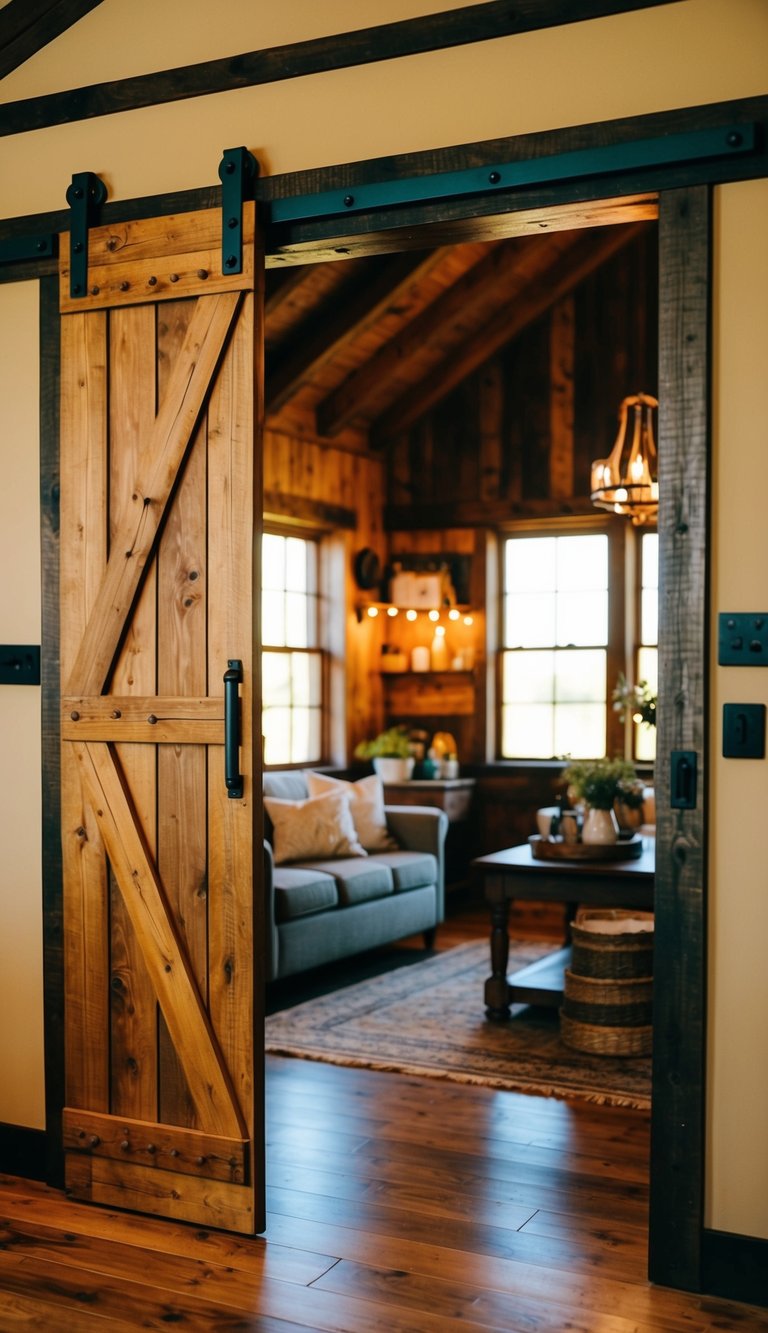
(666,150)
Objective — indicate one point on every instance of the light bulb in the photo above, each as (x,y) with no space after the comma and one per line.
(391,610)
(434,615)
(440,629)
(453,614)
(411,614)
(469,620)
(373,611)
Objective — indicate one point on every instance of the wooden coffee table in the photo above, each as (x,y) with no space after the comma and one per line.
(515,873)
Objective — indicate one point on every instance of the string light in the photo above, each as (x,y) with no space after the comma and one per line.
(434,615)
(411,614)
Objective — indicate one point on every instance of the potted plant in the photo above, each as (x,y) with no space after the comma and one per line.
(390,753)
(597,782)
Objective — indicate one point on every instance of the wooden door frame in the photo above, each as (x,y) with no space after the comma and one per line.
(677,1168)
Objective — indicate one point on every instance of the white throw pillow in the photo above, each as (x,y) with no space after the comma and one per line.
(366,802)
(319,827)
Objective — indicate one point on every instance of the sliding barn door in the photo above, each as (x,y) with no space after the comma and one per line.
(160,515)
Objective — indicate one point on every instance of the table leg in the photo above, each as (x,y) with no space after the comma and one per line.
(496,988)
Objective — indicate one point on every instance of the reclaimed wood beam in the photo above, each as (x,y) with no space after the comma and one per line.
(586,254)
(387,41)
(26,26)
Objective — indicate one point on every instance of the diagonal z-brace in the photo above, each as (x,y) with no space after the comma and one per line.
(86,193)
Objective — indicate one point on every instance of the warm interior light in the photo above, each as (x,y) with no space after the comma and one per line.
(439,629)
(434,615)
(453,614)
(411,614)
(625,482)
(469,620)
(391,610)
(373,611)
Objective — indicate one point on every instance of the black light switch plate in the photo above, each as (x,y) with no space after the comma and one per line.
(744,731)
(20,664)
(742,638)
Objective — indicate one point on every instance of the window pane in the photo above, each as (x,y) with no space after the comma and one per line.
(530,564)
(580,678)
(648,666)
(527,731)
(295,564)
(580,730)
(582,562)
(297,617)
(649,615)
(528,677)
(275,679)
(650,560)
(300,678)
(272,561)
(582,617)
(305,744)
(529,620)
(276,726)
(273,618)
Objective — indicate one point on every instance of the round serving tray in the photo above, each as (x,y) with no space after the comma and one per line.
(626,849)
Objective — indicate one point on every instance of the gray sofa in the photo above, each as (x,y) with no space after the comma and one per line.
(319,911)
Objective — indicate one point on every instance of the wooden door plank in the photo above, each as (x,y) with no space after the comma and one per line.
(214,1203)
(163,952)
(83,560)
(133,1004)
(160,1147)
(233,828)
(175,719)
(134,541)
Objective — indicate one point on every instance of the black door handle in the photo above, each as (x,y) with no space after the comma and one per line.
(232,775)
(683,784)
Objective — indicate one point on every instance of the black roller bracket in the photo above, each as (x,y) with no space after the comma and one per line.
(85,195)
(238,170)
(20,664)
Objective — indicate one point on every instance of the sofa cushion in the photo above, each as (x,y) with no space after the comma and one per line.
(358,881)
(410,870)
(366,802)
(318,826)
(301,892)
(290,785)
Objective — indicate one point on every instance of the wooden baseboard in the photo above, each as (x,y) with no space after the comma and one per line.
(22,1151)
(735,1266)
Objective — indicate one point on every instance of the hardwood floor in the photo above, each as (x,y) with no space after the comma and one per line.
(395,1205)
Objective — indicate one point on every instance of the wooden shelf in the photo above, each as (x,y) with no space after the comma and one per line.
(430,693)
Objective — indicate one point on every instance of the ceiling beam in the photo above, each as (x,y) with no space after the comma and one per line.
(448,321)
(588,251)
(382,284)
(26,26)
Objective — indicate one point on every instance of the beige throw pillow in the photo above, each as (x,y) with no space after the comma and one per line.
(366,803)
(316,828)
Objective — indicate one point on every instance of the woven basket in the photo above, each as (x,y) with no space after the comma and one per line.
(611,956)
(615,1004)
(605,1040)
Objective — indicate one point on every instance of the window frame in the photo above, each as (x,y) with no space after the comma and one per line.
(617,647)
(275,528)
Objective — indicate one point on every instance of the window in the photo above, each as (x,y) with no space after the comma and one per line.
(292,661)
(554,685)
(647,650)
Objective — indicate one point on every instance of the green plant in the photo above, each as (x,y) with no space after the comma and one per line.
(639,701)
(598,781)
(630,792)
(391,744)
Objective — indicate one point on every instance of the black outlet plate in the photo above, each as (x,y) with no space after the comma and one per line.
(744,731)
(20,664)
(742,638)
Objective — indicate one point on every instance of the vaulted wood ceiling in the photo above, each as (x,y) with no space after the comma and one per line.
(357,351)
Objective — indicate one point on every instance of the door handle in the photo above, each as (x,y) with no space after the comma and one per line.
(683,784)
(232,775)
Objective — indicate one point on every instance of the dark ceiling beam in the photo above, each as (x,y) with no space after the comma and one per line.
(387,41)
(26,26)
(448,320)
(588,252)
(322,337)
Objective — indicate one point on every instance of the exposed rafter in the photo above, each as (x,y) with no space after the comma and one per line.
(28,25)
(587,252)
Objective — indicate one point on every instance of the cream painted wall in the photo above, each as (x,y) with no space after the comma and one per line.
(21,963)
(737,1198)
(675,55)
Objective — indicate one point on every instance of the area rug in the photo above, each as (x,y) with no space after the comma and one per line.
(429,1019)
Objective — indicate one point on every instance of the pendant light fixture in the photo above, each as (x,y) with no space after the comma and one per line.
(626,482)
